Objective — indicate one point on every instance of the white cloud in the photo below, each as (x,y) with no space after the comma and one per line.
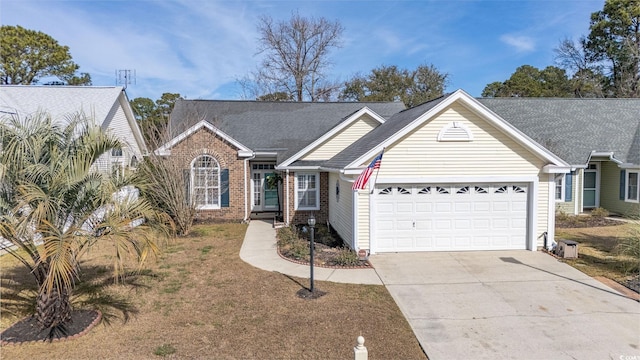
(520,43)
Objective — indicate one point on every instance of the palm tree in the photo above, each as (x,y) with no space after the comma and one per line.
(54,205)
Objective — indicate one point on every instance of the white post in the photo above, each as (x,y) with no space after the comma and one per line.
(360,351)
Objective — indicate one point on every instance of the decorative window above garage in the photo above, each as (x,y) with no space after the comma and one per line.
(455,131)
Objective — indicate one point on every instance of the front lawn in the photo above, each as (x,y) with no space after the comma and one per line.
(201,301)
(608,251)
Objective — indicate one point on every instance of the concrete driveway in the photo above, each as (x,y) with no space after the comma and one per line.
(509,305)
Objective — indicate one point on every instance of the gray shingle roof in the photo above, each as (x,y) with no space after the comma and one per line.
(573,128)
(285,127)
(378,135)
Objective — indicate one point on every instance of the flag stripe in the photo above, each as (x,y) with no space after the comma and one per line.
(363,178)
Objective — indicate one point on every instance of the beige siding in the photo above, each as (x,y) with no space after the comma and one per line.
(342,139)
(341,208)
(491,154)
(363,219)
(542,219)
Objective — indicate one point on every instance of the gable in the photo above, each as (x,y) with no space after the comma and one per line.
(199,128)
(488,152)
(342,139)
(405,123)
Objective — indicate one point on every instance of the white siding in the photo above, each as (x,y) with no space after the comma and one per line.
(341,208)
(342,139)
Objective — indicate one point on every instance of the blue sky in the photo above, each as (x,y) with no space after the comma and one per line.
(200,48)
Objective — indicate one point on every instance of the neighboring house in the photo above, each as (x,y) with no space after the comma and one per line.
(108,106)
(599,138)
(456,173)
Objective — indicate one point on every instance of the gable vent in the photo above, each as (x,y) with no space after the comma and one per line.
(455,131)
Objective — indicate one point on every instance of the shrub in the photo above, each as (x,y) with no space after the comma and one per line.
(630,246)
(286,236)
(599,213)
(346,257)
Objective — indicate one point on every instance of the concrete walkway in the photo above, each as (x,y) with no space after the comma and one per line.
(260,250)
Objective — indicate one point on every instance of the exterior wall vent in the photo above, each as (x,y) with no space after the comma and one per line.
(455,131)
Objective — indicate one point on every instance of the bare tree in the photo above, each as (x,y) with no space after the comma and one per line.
(296,54)
(588,79)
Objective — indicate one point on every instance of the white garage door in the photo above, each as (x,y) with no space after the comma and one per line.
(450,217)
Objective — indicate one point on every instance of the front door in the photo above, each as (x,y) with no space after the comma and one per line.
(590,192)
(263,197)
(270,194)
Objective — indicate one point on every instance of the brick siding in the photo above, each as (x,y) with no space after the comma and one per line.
(204,142)
(301,216)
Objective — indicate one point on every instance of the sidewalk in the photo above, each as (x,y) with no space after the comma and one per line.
(260,250)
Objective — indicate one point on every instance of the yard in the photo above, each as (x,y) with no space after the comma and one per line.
(606,250)
(199,300)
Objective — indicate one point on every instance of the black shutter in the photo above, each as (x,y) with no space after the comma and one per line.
(623,179)
(224,183)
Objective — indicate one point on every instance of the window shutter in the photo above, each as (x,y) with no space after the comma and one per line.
(186,177)
(568,186)
(623,179)
(224,182)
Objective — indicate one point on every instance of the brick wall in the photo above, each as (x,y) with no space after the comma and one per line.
(203,142)
(301,216)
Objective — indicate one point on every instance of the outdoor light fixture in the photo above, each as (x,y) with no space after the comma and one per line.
(312,223)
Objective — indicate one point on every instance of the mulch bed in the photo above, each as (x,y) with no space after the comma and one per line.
(324,256)
(28,329)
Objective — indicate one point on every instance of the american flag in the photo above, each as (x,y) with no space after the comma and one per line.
(361,181)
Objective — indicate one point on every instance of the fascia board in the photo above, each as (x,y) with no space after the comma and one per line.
(280,167)
(607,154)
(512,131)
(350,120)
(133,124)
(196,127)
(554,169)
(408,128)
(475,106)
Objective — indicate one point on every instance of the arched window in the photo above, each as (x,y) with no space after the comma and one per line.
(205,182)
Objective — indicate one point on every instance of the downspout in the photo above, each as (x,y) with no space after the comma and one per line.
(287,197)
(246,200)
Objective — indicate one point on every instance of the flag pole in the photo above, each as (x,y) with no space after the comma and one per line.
(375,180)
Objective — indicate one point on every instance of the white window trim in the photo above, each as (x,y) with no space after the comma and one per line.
(317,190)
(561,180)
(192,187)
(626,185)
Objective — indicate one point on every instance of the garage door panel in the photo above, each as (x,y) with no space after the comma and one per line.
(500,206)
(480,206)
(443,207)
(464,207)
(451,217)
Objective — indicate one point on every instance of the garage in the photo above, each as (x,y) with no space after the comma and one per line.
(448,217)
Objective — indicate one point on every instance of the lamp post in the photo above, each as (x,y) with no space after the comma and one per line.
(312,223)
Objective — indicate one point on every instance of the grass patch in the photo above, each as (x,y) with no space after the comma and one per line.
(164,350)
(221,307)
(608,251)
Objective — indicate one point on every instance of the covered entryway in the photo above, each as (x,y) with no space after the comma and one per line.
(441,217)
(263,196)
